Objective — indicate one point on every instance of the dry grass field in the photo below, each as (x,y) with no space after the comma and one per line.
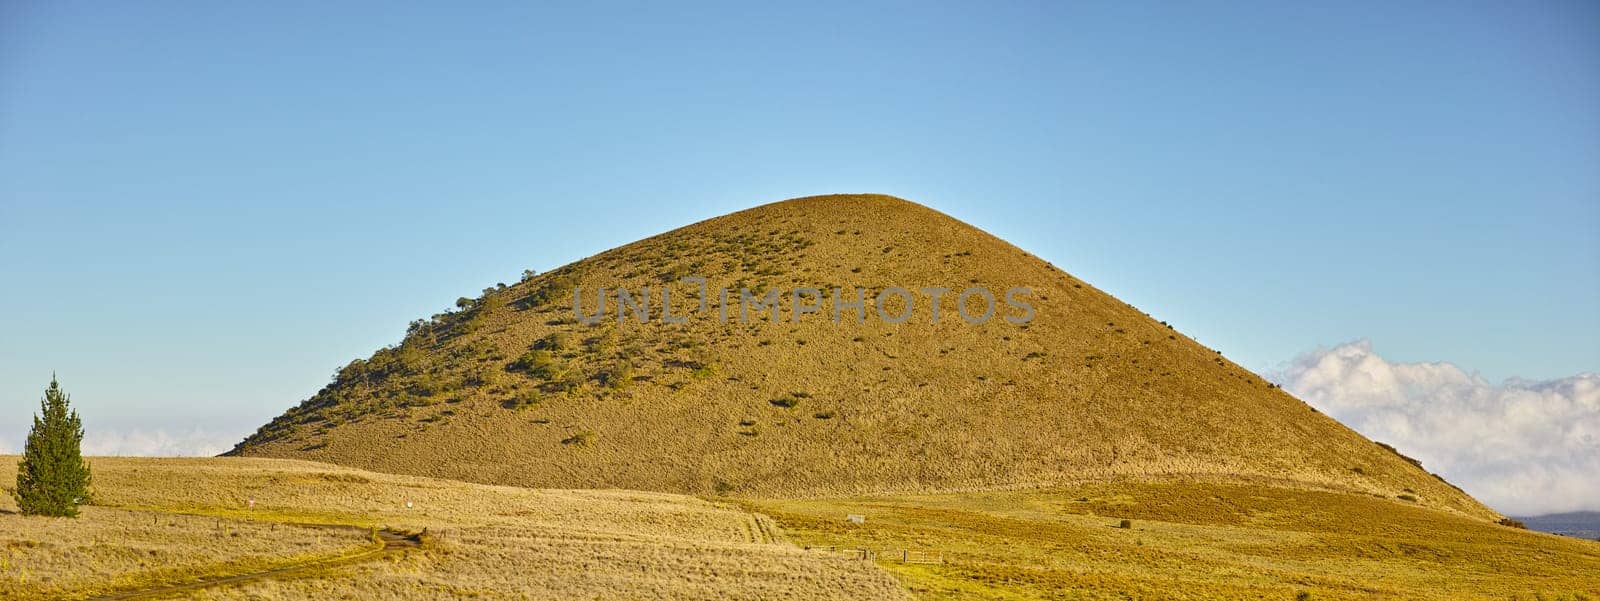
(510,389)
(170,521)
(108,549)
(163,521)
(1194,540)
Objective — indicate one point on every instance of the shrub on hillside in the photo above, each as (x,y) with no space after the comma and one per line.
(555,341)
(537,363)
(789,401)
(580,439)
(617,376)
(523,400)
(1397,453)
(557,286)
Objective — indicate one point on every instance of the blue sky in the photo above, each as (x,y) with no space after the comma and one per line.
(205,208)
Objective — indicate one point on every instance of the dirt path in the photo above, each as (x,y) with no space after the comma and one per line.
(389,542)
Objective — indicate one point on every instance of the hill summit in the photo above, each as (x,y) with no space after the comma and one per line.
(683,388)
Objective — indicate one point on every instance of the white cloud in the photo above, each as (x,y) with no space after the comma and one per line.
(136,442)
(1523,447)
(156,443)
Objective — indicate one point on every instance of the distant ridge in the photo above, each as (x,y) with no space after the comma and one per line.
(512,390)
(1580,524)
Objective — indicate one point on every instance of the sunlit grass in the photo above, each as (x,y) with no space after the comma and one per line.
(1194,539)
(172,521)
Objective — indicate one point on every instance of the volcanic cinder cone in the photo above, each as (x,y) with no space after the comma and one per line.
(514,389)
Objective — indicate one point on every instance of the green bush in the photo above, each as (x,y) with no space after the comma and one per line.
(618,376)
(566,381)
(555,341)
(558,286)
(703,371)
(524,400)
(537,363)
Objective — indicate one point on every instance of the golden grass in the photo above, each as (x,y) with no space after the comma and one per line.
(1091,389)
(1188,539)
(484,541)
(1194,540)
(106,550)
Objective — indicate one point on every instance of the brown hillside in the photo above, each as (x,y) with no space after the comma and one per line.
(511,389)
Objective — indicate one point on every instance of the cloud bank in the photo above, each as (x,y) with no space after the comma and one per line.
(1523,447)
(138,442)
(156,443)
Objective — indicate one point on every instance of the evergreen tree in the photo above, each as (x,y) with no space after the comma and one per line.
(52,477)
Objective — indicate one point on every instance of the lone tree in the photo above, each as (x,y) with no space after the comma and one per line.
(52,477)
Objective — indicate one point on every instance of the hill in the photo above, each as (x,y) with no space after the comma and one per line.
(513,389)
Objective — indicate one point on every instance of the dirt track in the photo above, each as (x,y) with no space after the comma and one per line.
(389,542)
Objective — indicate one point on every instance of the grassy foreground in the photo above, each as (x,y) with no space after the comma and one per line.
(167,521)
(1194,540)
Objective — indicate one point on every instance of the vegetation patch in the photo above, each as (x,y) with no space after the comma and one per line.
(581,439)
(789,400)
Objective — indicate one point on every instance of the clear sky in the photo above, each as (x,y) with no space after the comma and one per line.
(207,207)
